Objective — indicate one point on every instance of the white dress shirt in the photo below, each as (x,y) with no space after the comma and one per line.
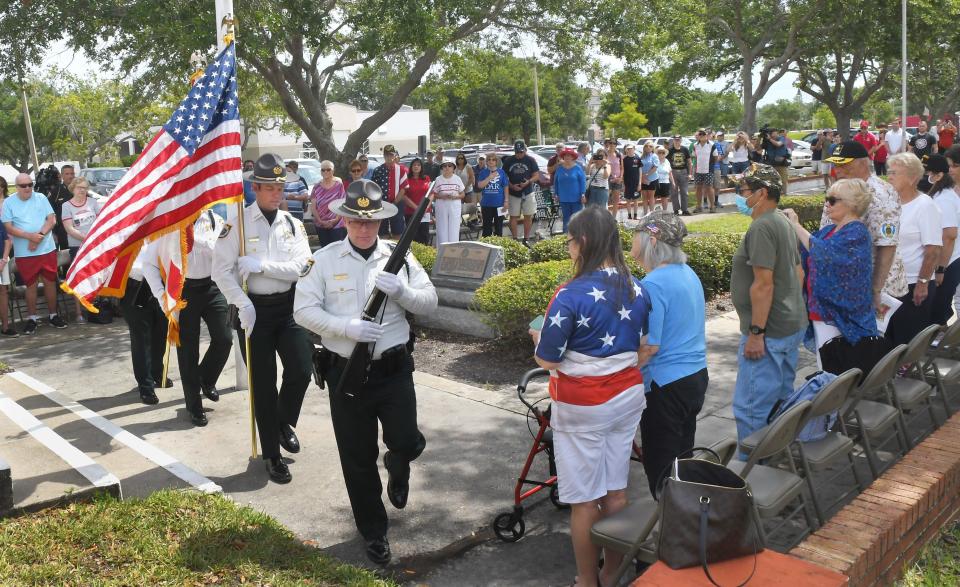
(206,231)
(338,285)
(281,247)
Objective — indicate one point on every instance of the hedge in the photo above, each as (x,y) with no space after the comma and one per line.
(514,253)
(425,254)
(555,249)
(808,208)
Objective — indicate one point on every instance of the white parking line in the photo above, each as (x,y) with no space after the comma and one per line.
(93,471)
(142,447)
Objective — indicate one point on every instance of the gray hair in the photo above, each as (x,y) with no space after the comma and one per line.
(654,255)
(909,163)
(855,192)
(327,164)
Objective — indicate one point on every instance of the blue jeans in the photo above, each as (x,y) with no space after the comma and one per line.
(598,196)
(567,210)
(761,382)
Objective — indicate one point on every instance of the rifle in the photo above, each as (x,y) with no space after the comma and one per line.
(358,365)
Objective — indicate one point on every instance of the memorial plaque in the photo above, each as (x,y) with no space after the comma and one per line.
(466,265)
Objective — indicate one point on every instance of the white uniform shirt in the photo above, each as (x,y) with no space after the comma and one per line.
(336,290)
(206,231)
(282,248)
(948,202)
(136,268)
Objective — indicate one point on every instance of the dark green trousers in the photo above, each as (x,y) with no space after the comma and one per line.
(392,401)
(276,334)
(206,303)
(148,334)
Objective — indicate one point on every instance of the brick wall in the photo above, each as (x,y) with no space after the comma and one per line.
(874,537)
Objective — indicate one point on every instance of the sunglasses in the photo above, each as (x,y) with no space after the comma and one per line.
(325,169)
(25,185)
(832,200)
(356,170)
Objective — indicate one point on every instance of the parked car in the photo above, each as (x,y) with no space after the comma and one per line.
(103,180)
(481,147)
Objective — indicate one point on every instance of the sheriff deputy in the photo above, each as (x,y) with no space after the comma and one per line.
(276,254)
(329,301)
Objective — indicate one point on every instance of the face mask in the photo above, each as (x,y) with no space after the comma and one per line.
(742,205)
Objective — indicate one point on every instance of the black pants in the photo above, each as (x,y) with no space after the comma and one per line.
(330,235)
(669,422)
(393,401)
(909,319)
(275,333)
(942,300)
(422,235)
(148,334)
(880,168)
(204,302)
(492,221)
(393,226)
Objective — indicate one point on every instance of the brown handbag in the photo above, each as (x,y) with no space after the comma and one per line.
(706,516)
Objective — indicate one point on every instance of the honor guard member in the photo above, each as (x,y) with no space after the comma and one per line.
(203,302)
(148,331)
(330,298)
(276,253)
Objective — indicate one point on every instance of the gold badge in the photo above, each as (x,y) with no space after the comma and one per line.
(278,170)
(363,202)
(341,276)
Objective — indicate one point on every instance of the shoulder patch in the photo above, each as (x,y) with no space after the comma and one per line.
(226,230)
(306,268)
(888,229)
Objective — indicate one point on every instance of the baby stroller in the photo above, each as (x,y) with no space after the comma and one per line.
(509,526)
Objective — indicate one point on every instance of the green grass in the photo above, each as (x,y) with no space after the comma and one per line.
(170,538)
(939,562)
(4,368)
(727,224)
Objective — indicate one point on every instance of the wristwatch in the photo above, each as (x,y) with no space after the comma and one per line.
(940,270)
(923,280)
(754,329)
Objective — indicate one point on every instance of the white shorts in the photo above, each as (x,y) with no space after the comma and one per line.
(525,207)
(591,464)
(5,274)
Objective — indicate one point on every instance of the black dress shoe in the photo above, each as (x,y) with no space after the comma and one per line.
(211,394)
(198,418)
(278,471)
(378,550)
(397,489)
(149,397)
(288,439)
(167,384)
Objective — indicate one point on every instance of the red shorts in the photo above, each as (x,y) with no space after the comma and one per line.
(31,268)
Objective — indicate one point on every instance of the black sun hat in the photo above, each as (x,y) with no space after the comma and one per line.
(269,168)
(364,201)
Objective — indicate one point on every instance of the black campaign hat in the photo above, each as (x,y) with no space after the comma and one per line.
(364,201)
(269,168)
(846,152)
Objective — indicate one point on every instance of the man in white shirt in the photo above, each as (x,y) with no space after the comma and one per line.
(705,154)
(329,301)
(895,138)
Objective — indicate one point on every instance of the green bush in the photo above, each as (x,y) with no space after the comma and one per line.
(512,299)
(514,253)
(711,258)
(551,249)
(425,254)
(808,208)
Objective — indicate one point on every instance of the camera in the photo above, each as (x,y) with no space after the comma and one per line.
(765,131)
(598,156)
(47,180)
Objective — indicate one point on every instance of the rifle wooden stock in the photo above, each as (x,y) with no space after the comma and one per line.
(359,362)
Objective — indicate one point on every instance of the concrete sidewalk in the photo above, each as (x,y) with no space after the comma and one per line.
(476,442)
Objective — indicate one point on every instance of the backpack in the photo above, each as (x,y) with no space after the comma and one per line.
(815,428)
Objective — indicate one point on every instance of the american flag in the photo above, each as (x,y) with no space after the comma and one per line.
(192,162)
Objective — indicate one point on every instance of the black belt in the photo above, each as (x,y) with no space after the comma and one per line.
(198,282)
(284,297)
(390,362)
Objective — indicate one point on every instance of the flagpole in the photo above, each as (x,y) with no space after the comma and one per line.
(225,32)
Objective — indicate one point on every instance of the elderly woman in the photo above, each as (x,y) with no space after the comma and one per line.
(589,341)
(945,197)
(673,356)
(77,217)
(329,226)
(569,184)
(837,260)
(921,237)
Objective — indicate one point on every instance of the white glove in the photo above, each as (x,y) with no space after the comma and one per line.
(363,331)
(247,265)
(248,316)
(389,283)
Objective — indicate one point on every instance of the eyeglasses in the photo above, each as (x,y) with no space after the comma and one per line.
(25,185)
(325,169)
(356,170)
(832,200)
(570,240)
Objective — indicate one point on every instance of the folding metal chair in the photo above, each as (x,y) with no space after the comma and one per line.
(942,365)
(912,390)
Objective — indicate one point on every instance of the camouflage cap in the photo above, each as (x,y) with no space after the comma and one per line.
(762,175)
(667,227)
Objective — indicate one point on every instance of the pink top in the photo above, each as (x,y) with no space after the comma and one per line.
(616,171)
(322,197)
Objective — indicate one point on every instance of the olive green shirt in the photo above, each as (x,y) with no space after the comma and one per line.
(771,243)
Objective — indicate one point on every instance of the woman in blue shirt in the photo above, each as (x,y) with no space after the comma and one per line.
(492,182)
(569,183)
(673,358)
(649,176)
(6,245)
